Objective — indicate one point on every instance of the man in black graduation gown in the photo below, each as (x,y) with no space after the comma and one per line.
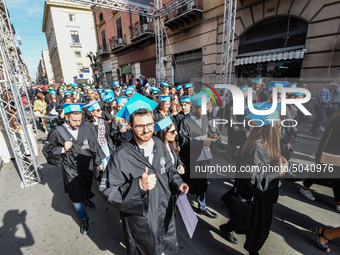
(142,180)
(185,104)
(74,147)
(193,125)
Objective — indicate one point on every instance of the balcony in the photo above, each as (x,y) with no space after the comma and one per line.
(142,31)
(75,45)
(116,43)
(184,15)
(102,50)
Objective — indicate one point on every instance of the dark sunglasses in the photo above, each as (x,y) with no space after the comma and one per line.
(173,132)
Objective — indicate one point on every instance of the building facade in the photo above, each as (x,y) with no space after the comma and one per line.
(294,40)
(70,36)
(126,47)
(44,71)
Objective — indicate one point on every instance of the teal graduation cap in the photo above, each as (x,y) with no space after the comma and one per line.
(108,98)
(294,85)
(128,91)
(122,99)
(185,100)
(243,88)
(164,123)
(154,90)
(260,120)
(197,98)
(164,98)
(179,87)
(72,108)
(67,93)
(188,85)
(108,91)
(74,92)
(275,84)
(164,84)
(115,83)
(92,106)
(224,89)
(257,80)
(135,103)
(52,92)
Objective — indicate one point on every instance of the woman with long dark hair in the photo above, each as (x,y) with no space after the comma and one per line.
(166,131)
(175,107)
(109,108)
(120,129)
(100,128)
(54,102)
(162,109)
(259,187)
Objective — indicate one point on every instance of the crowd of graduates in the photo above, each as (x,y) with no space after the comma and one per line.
(121,127)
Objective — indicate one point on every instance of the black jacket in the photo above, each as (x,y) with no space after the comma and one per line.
(147,216)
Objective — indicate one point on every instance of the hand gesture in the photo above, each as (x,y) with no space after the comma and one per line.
(180,169)
(283,163)
(207,142)
(68,145)
(148,182)
(184,188)
(100,168)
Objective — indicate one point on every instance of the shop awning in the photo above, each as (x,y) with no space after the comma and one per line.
(269,56)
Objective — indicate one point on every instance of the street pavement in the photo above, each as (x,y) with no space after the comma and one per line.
(41,219)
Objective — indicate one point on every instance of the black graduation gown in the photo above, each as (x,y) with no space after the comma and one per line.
(61,98)
(78,163)
(121,94)
(107,116)
(94,130)
(265,188)
(159,116)
(147,216)
(118,137)
(177,158)
(177,119)
(191,150)
(51,105)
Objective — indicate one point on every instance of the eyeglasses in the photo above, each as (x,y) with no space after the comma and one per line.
(141,127)
(173,132)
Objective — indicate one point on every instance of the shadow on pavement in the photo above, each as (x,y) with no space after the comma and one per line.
(13,221)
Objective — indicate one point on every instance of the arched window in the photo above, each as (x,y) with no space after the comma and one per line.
(101,17)
(272,34)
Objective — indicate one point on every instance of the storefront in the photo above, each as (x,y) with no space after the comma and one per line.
(187,67)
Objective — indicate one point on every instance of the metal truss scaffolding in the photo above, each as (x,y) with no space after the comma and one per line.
(228,41)
(158,12)
(15,114)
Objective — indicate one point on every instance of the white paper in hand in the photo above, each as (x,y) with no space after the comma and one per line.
(188,215)
(53,111)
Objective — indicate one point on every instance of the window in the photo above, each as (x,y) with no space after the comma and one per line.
(104,41)
(80,67)
(78,54)
(101,17)
(72,17)
(119,28)
(75,36)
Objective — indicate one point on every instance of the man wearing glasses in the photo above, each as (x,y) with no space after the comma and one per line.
(141,180)
(117,91)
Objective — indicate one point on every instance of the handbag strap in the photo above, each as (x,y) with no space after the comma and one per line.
(63,133)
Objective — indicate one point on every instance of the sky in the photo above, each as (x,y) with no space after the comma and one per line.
(27,17)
